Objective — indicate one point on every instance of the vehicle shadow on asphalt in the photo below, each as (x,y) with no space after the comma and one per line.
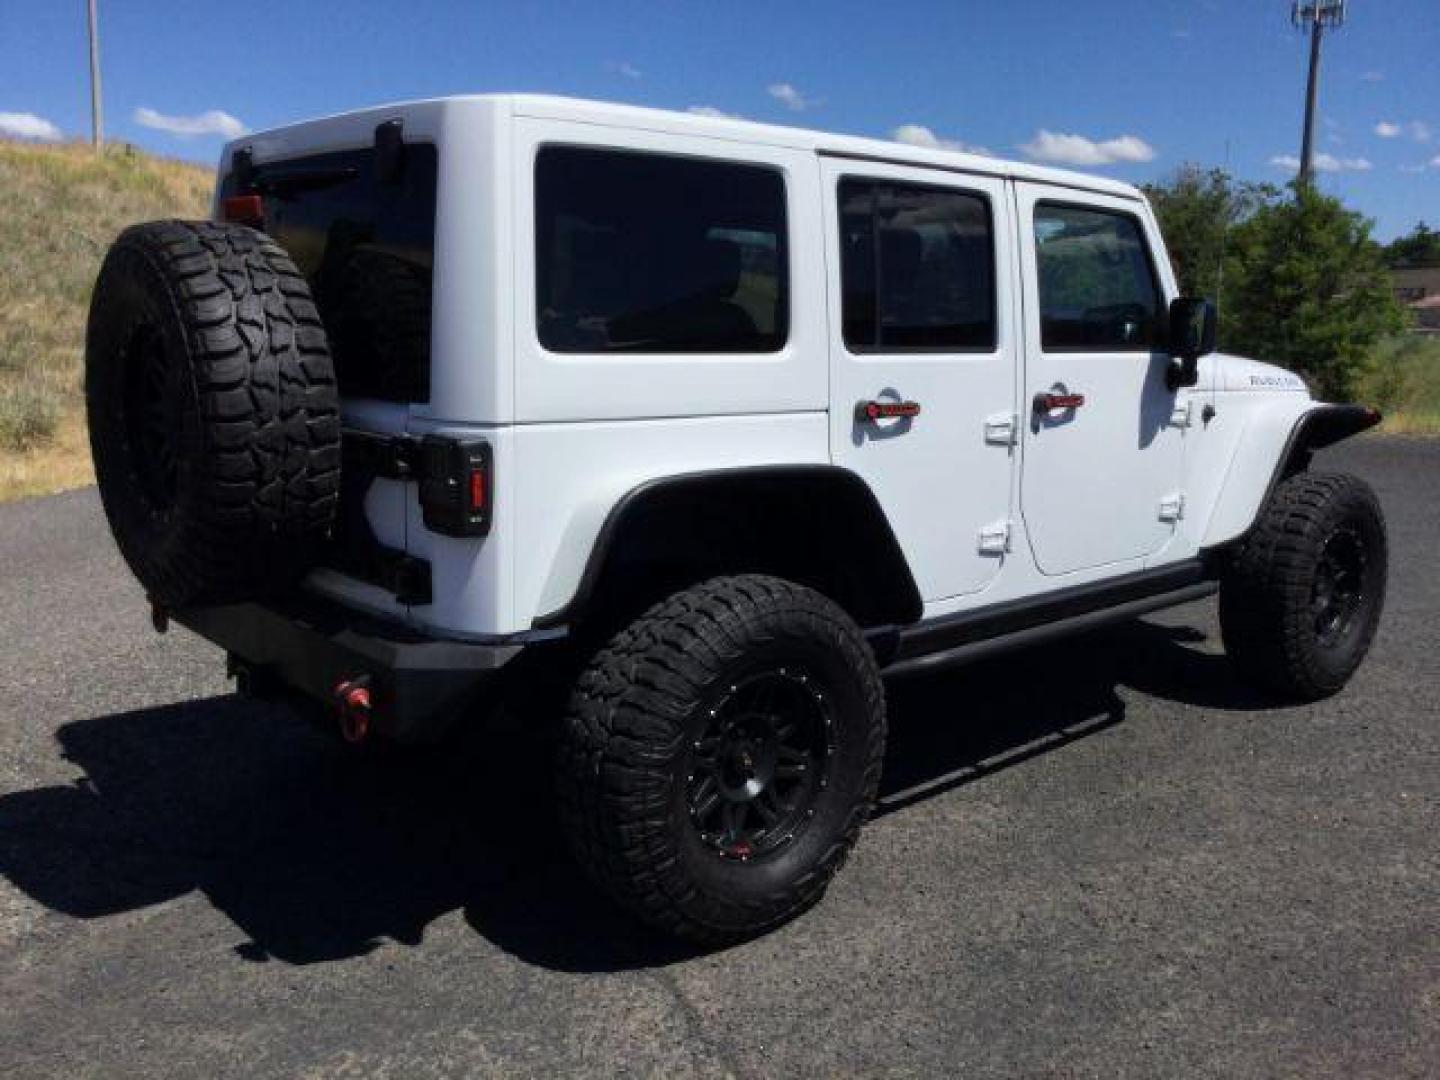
(318,856)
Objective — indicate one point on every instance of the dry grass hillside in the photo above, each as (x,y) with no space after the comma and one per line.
(63,207)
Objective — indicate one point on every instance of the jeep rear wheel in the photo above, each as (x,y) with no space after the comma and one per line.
(213,412)
(720,756)
(1301,598)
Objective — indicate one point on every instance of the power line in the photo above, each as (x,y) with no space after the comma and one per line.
(97,136)
(1317,15)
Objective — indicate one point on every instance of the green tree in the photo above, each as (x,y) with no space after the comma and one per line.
(1307,287)
(1196,208)
(1419,248)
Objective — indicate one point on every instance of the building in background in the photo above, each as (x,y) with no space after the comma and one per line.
(1418,288)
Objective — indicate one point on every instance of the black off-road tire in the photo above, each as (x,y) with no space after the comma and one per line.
(213,411)
(628,742)
(1276,595)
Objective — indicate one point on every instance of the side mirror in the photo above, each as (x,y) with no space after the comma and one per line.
(1192,335)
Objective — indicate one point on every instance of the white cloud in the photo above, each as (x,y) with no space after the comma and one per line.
(1373,76)
(625,68)
(1324,163)
(710,110)
(1413,168)
(1435,162)
(920,135)
(1065,149)
(1413,129)
(1330,163)
(791,98)
(211,122)
(25,125)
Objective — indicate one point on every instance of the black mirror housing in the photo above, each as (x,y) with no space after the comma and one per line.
(1192,335)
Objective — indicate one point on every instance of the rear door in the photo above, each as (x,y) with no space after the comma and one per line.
(363,235)
(918,263)
(1102,461)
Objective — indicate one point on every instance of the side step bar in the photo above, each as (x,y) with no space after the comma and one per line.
(972,636)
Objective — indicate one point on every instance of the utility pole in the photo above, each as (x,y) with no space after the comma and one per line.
(97,136)
(1317,15)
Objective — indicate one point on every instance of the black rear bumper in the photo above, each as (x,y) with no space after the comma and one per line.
(417,684)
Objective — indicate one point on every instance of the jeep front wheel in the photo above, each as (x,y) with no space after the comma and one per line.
(1301,598)
(720,756)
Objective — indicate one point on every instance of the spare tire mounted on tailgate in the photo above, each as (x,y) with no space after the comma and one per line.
(213,411)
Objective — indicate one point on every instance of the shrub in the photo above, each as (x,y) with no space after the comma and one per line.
(1403,379)
(1307,288)
(29,414)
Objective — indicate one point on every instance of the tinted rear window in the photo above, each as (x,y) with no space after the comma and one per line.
(367,249)
(918,267)
(648,253)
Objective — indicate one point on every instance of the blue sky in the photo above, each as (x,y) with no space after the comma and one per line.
(1125,87)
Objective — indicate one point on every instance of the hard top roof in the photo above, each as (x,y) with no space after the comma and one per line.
(735,129)
(824,142)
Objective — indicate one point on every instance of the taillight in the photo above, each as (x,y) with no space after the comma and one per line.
(456,491)
(243,210)
(477,491)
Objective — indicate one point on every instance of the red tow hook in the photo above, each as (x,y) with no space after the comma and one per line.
(352,696)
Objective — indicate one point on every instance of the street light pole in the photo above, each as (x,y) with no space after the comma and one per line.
(1316,14)
(97,136)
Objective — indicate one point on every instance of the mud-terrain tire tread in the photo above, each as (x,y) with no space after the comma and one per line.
(625,723)
(261,467)
(1265,591)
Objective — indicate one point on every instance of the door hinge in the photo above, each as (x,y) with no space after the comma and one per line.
(1172,507)
(1180,414)
(1000,429)
(995,538)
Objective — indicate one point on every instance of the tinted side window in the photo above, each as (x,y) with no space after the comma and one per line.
(647,253)
(1097,284)
(367,249)
(917,267)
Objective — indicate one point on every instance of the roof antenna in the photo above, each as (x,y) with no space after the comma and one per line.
(1224,235)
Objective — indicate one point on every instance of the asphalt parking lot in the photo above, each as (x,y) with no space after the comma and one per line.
(1103,858)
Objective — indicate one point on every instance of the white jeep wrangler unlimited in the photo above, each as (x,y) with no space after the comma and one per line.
(697,428)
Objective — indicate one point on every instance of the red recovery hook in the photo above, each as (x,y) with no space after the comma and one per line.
(352,698)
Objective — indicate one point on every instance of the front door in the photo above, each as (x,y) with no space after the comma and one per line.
(1102,455)
(921,317)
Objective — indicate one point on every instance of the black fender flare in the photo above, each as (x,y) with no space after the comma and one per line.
(1322,426)
(833,501)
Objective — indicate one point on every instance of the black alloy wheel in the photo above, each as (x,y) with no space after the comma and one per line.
(759,763)
(152,420)
(1339,590)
